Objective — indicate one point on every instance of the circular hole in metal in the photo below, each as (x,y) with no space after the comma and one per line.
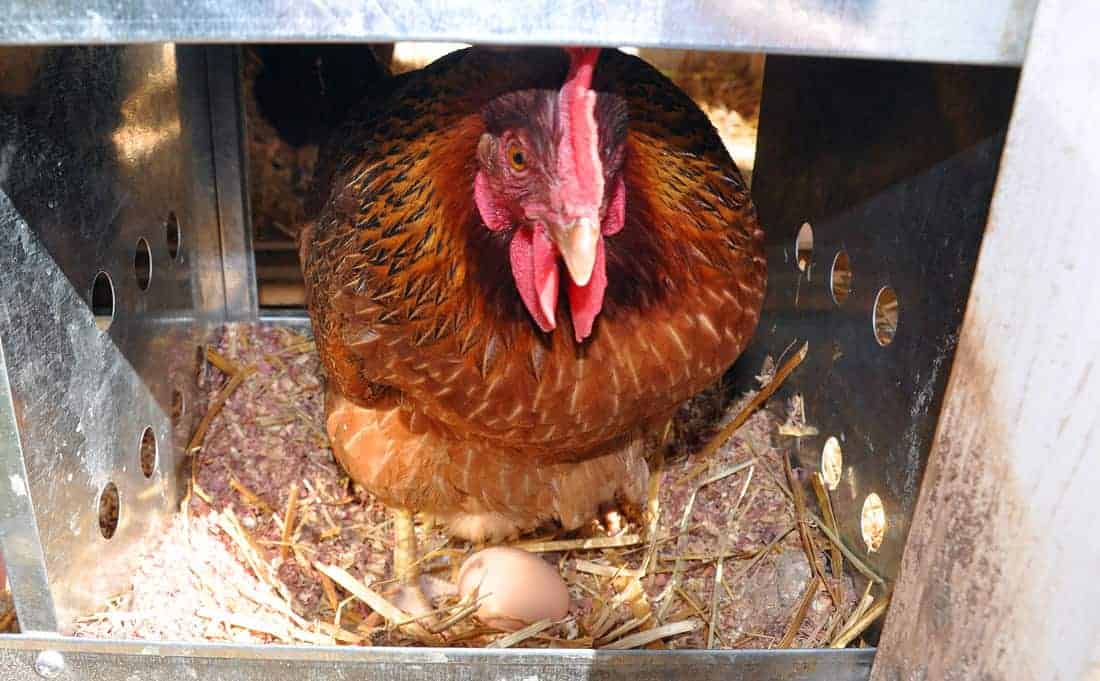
(177,407)
(872,523)
(103,300)
(832,463)
(804,246)
(143,264)
(108,510)
(886,316)
(840,278)
(148,452)
(173,236)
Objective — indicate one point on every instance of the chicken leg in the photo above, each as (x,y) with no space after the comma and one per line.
(407,593)
(404,552)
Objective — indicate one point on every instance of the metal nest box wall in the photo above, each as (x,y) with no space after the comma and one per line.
(124,237)
(111,273)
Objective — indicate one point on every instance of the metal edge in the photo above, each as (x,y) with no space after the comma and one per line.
(20,543)
(295,316)
(231,182)
(95,659)
(990,33)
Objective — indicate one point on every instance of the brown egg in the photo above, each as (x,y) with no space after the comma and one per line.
(519,588)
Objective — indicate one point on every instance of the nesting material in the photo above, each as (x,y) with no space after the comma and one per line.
(275,544)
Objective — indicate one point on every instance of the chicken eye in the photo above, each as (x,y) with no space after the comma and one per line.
(516,157)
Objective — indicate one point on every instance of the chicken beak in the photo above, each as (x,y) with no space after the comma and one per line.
(577,242)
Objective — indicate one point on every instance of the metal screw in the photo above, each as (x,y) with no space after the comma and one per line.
(49,664)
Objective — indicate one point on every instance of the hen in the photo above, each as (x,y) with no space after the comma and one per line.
(523,262)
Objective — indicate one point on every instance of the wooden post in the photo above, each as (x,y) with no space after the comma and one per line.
(1000,575)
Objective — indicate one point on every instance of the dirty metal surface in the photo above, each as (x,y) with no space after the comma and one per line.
(106,660)
(908,215)
(935,30)
(103,152)
(999,580)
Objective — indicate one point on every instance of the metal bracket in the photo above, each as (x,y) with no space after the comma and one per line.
(227,133)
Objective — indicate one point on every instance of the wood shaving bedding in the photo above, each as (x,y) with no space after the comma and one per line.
(231,568)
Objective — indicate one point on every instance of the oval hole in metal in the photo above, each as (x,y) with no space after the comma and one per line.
(872,522)
(832,463)
(178,407)
(103,300)
(109,509)
(172,235)
(840,278)
(148,452)
(143,264)
(804,246)
(885,316)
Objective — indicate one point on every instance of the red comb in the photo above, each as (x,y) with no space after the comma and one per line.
(579,164)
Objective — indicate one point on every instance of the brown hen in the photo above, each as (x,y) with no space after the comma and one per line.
(462,381)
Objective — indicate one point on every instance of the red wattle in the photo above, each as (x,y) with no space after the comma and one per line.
(586,301)
(545,260)
(535,270)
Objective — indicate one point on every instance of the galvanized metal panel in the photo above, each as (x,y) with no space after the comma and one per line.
(999,577)
(893,165)
(100,148)
(921,239)
(102,660)
(81,409)
(938,30)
